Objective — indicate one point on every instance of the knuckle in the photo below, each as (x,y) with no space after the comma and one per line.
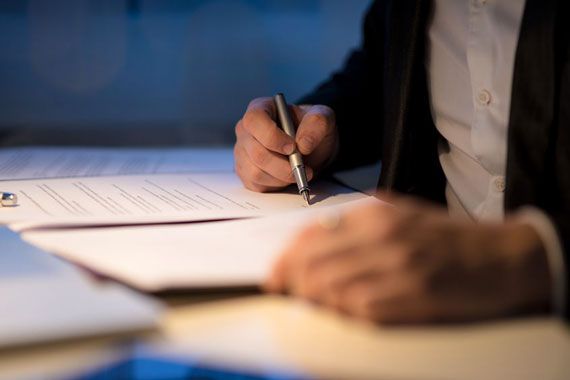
(252,103)
(256,175)
(250,119)
(330,113)
(259,155)
(325,111)
(317,120)
(239,127)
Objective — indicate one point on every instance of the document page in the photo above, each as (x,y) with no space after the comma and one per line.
(54,162)
(153,198)
(203,255)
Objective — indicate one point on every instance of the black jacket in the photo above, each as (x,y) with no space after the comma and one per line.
(381,102)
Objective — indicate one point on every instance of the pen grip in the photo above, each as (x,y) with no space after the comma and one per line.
(283,116)
(296,160)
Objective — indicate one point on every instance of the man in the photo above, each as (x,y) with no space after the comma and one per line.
(467,104)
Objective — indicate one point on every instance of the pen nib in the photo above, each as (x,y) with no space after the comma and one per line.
(306,197)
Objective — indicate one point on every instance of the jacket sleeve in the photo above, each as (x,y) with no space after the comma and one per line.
(354,93)
(562,223)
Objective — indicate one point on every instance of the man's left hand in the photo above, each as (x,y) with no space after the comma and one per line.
(412,263)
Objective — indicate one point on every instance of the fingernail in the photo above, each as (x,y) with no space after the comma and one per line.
(307,143)
(309,173)
(288,148)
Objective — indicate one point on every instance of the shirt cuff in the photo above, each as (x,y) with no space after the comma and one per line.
(555,256)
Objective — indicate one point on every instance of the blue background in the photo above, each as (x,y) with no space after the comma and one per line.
(193,64)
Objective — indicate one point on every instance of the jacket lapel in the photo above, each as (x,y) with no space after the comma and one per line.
(410,162)
(532,106)
(405,39)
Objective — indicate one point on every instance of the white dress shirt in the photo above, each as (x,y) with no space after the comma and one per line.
(470,63)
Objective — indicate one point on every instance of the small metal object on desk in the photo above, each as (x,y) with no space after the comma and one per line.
(8,199)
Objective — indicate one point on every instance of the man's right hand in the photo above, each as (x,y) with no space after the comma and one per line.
(262,147)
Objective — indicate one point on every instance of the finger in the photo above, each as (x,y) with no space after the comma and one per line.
(373,300)
(316,244)
(279,278)
(316,125)
(358,228)
(392,299)
(274,164)
(253,177)
(326,280)
(319,247)
(298,112)
(259,121)
(325,283)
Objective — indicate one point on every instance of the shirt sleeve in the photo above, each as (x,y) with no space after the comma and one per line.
(555,255)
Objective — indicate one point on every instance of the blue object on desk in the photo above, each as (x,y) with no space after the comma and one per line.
(143,368)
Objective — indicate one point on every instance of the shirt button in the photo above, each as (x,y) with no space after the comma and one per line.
(484,97)
(499,183)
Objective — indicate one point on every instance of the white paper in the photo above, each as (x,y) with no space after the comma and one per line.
(54,162)
(153,198)
(43,299)
(199,255)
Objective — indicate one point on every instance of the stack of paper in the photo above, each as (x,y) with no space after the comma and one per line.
(152,198)
(227,252)
(50,162)
(207,255)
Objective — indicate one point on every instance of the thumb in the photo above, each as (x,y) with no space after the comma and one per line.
(316,125)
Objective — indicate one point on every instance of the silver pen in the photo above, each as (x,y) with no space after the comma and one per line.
(8,199)
(295,158)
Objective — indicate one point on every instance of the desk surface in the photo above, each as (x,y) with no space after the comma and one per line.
(266,334)
(261,333)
